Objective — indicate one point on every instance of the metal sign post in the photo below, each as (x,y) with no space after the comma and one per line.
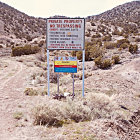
(83,89)
(48,72)
(57,83)
(73,84)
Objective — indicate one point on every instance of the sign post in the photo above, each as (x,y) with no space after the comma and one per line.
(66,34)
(57,83)
(83,88)
(48,72)
(73,84)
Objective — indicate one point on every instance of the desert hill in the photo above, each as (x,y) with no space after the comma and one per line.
(126,13)
(17,25)
(110,109)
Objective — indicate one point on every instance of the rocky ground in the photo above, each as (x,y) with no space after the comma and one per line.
(119,84)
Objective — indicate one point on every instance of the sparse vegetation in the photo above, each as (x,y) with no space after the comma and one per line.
(102,63)
(133,49)
(109,45)
(18,115)
(74,110)
(116,59)
(30,92)
(26,50)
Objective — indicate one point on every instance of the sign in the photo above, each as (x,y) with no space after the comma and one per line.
(65,34)
(65,64)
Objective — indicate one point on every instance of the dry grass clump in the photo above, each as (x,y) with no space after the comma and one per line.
(133,49)
(26,50)
(34,92)
(30,92)
(102,63)
(109,45)
(91,51)
(18,115)
(116,59)
(57,113)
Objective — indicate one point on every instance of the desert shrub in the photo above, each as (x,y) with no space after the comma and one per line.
(30,92)
(101,106)
(77,111)
(93,24)
(59,113)
(116,59)
(46,115)
(96,36)
(120,42)
(102,63)
(98,61)
(133,49)
(41,43)
(106,64)
(109,45)
(116,32)
(125,36)
(18,115)
(88,34)
(28,38)
(73,53)
(106,38)
(79,55)
(96,52)
(26,50)
(124,45)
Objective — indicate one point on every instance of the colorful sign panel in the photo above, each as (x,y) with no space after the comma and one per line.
(65,34)
(65,64)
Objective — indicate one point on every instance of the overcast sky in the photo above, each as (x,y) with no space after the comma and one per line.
(71,8)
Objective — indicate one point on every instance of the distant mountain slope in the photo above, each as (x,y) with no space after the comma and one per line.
(20,25)
(128,12)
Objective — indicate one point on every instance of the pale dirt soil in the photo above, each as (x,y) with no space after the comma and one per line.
(122,82)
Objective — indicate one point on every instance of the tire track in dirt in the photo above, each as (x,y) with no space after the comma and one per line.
(11,90)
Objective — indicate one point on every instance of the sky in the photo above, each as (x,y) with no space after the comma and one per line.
(70,8)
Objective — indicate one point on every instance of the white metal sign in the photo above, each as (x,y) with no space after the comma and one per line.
(65,34)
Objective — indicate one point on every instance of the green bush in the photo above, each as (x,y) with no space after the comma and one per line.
(79,55)
(107,38)
(116,59)
(122,41)
(96,52)
(102,63)
(26,50)
(98,61)
(133,49)
(109,45)
(106,64)
(124,45)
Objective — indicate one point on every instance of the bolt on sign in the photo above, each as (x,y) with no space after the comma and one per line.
(65,34)
(65,64)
